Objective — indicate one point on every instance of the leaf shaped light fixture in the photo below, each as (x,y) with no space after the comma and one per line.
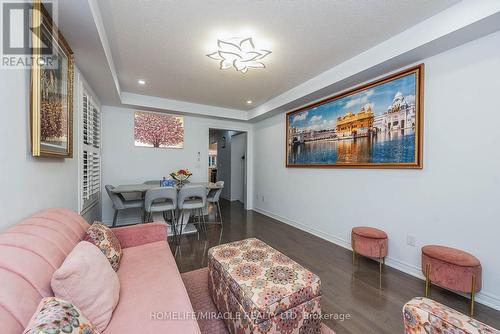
(239,54)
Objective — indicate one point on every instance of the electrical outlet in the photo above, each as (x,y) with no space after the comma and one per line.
(262,198)
(410,240)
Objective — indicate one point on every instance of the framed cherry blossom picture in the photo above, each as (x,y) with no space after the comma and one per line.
(158,130)
(51,91)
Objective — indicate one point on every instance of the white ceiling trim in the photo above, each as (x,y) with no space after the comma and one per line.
(96,14)
(445,23)
(436,34)
(190,108)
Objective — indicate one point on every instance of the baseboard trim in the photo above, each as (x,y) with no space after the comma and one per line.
(407,268)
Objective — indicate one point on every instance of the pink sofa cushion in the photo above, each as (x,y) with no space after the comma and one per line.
(136,235)
(102,236)
(451,255)
(151,286)
(54,315)
(87,280)
(29,254)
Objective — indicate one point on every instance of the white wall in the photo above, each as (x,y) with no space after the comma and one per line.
(123,163)
(238,149)
(28,184)
(452,201)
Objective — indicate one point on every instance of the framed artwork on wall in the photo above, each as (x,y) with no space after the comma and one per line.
(159,130)
(51,96)
(377,125)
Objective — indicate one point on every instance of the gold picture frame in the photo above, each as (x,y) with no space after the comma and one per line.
(376,125)
(51,91)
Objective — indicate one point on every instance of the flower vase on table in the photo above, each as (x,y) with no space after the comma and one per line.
(181,176)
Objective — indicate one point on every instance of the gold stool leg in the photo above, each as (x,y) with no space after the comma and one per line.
(472,294)
(427,280)
(353,251)
(380,262)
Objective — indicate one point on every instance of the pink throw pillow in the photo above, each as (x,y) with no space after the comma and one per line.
(87,280)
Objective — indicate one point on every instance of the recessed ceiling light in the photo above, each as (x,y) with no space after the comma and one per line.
(249,101)
(238,53)
(141,82)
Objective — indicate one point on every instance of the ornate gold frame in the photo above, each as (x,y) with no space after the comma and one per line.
(419,100)
(39,16)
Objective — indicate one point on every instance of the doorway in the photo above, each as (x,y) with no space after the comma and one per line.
(227,162)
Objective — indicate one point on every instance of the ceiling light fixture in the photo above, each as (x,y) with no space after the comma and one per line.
(238,53)
(249,101)
(141,82)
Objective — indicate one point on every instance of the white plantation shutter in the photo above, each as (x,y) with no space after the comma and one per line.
(91,151)
(91,174)
(91,123)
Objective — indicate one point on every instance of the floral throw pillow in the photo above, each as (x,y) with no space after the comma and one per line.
(56,316)
(102,236)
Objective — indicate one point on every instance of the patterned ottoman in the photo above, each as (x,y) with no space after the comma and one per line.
(426,316)
(260,290)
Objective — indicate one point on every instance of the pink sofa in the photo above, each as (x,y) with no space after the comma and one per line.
(152,294)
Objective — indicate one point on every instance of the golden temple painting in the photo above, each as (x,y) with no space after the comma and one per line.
(378,125)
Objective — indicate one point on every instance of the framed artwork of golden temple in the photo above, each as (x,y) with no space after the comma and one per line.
(377,125)
(51,96)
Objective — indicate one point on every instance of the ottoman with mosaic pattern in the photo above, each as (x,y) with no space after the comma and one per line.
(259,290)
(424,316)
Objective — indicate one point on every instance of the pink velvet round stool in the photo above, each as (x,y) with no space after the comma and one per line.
(452,269)
(369,242)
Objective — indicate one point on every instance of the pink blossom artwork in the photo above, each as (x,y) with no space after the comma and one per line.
(158,130)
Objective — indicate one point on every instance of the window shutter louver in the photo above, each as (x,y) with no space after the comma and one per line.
(91,154)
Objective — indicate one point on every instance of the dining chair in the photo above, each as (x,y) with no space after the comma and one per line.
(119,203)
(214,196)
(192,198)
(164,200)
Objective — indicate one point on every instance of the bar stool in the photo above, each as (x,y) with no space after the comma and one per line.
(370,242)
(193,198)
(161,199)
(214,196)
(452,269)
(119,203)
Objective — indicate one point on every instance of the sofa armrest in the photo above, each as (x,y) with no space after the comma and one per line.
(423,315)
(136,235)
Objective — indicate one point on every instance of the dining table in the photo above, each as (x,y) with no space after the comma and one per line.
(142,188)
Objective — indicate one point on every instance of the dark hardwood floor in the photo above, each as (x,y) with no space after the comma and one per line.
(347,289)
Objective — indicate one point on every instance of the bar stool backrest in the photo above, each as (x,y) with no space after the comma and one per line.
(188,192)
(160,194)
(115,198)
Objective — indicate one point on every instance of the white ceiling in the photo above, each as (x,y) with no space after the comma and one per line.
(165,42)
